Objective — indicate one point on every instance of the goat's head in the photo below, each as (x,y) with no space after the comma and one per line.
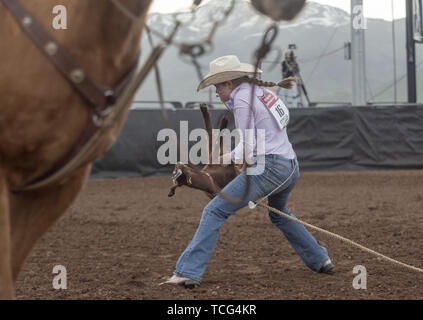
(213,177)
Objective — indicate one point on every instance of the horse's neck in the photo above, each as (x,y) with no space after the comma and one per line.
(41,115)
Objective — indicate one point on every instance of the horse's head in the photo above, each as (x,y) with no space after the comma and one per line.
(279,9)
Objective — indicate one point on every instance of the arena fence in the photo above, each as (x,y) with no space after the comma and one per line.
(325,139)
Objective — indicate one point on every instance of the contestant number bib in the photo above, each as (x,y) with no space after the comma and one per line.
(277,108)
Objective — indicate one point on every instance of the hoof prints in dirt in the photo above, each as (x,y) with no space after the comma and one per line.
(122,236)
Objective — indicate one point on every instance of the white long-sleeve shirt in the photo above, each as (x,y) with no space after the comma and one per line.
(276,141)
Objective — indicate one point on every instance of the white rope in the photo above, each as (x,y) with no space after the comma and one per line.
(334,235)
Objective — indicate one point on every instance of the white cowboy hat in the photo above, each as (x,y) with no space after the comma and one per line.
(224,69)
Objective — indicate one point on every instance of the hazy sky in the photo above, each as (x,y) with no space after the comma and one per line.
(381,9)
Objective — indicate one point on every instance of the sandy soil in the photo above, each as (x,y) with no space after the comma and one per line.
(122,237)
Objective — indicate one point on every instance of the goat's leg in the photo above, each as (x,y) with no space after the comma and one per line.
(223,124)
(209,127)
(34,212)
(6,279)
(172,190)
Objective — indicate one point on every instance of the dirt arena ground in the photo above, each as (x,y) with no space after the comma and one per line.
(122,237)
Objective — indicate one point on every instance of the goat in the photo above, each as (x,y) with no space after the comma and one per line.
(213,176)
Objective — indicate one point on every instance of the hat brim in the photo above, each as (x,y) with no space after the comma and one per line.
(225,76)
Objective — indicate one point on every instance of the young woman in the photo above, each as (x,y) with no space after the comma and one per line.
(235,86)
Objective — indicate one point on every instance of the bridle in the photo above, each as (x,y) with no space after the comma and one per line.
(101,100)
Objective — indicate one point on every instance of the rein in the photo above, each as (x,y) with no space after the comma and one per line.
(128,13)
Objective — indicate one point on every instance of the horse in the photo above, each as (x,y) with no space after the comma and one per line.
(42,116)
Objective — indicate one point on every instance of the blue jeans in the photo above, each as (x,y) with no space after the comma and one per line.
(194,260)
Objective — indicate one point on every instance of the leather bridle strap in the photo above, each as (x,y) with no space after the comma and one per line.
(98,98)
(92,134)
